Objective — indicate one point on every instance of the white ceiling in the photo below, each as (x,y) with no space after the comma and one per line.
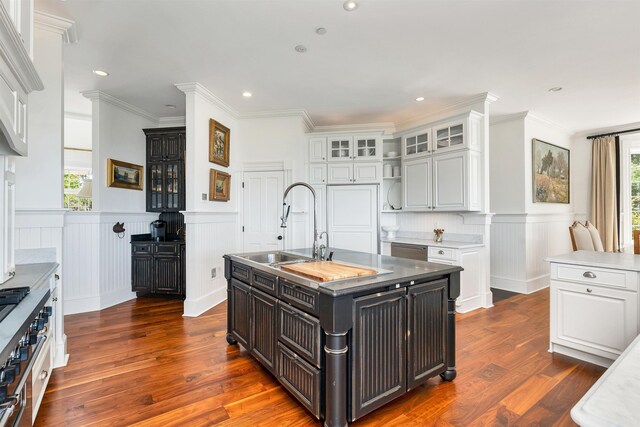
(371,64)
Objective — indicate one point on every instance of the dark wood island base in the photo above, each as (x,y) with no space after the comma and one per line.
(346,348)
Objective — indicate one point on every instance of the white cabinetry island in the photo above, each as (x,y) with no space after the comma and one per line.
(594,304)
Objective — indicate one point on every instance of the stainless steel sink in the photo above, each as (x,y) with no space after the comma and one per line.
(277,258)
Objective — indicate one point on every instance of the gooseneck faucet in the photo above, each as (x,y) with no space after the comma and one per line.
(287,208)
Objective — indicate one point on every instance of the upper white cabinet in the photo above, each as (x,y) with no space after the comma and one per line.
(7,217)
(456,181)
(366,148)
(354,173)
(317,150)
(416,144)
(318,173)
(417,188)
(462,132)
(18,76)
(340,149)
(350,148)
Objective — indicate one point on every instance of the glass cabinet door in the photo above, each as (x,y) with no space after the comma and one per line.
(417,144)
(450,137)
(156,178)
(366,148)
(172,181)
(340,149)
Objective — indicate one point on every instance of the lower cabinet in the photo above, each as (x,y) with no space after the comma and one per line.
(240,318)
(300,378)
(158,268)
(263,328)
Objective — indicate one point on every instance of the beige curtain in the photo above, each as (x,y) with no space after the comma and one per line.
(603,191)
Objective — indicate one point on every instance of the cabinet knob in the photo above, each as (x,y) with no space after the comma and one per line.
(323,180)
(589,275)
(323,158)
(589,290)
(441,252)
(44,375)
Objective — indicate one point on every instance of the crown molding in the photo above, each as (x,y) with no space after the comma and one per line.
(308,123)
(494,120)
(172,121)
(196,87)
(14,53)
(607,129)
(77,116)
(385,127)
(94,95)
(548,122)
(58,25)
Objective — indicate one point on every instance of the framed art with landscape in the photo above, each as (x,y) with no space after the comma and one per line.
(219,140)
(124,175)
(551,172)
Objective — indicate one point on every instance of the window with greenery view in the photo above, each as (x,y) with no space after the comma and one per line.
(635,191)
(73,180)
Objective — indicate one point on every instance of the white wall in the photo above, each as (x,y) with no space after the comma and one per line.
(507,176)
(117,134)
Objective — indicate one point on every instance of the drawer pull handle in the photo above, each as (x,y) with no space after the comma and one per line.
(589,275)
(440,252)
(44,375)
(589,290)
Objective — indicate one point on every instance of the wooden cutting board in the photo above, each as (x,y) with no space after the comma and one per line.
(327,271)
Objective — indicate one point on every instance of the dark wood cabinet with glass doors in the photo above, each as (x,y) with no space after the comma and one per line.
(165,169)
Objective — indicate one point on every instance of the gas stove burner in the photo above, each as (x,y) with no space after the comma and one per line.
(12,296)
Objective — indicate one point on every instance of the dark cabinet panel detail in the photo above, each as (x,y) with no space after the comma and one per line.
(141,248)
(379,350)
(241,272)
(165,169)
(300,296)
(141,273)
(167,271)
(166,248)
(241,320)
(300,378)
(173,146)
(265,282)
(301,332)
(263,308)
(427,313)
(155,147)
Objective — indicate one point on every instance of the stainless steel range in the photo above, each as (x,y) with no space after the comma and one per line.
(19,307)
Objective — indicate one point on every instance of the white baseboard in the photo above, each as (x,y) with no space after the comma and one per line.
(581,355)
(81,305)
(116,297)
(520,286)
(194,308)
(62,357)
(469,304)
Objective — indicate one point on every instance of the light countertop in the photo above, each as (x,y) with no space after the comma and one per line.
(616,260)
(430,242)
(613,399)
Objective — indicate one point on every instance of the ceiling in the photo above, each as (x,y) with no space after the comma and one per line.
(370,65)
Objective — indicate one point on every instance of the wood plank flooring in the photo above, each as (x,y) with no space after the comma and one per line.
(141,363)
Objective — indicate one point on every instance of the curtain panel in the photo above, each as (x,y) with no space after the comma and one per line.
(604,197)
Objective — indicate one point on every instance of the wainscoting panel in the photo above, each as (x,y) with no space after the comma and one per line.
(209,236)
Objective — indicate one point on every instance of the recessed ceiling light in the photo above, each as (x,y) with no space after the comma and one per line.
(246,94)
(321,31)
(100,73)
(420,98)
(350,5)
(170,106)
(555,89)
(300,48)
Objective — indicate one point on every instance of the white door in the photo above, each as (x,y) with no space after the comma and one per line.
(352,217)
(416,184)
(317,174)
(341,173)
(262,201)
(367,173)
(340,149)
(450,181)
(317,150)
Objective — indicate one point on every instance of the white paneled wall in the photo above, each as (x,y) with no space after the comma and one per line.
(97,263)
(209,236)
(521,242)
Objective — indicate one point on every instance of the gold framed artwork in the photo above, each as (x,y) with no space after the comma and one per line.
(551,172)
(219,140)
(219,186)
(124,175)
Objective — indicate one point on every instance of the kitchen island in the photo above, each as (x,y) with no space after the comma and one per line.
(347,347)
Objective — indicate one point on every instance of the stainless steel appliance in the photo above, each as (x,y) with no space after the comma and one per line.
(20,355)
(158,230)
(403,250)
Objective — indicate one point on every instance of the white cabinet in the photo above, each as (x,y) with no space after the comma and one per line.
(352,148)
(416,144)
(340,173)
(317,173)
(340,149)
(416,184)
(366,148)
(456,181)
(461,132)
(594,312)
(358,173)
(317,149)
(7,217)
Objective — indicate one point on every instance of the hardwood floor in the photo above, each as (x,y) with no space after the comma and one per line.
(142,363)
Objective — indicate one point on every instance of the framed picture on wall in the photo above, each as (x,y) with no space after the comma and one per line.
(124,175)
(551,172)
(219,186)
(219,140)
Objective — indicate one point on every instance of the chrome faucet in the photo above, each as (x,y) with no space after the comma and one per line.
(324,249)
(287,208)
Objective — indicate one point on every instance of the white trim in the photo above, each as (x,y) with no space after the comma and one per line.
(609,129)
(94,95)
(81,305)
(194,308)
(96,217)
(15,54)
(383,128)
(58,25)
(477,218)
(494,120)
(115,297)
(530,218)
(40,218)
(77,116)
(521,286)
(171,121)
(309,125)
(577,354)
(548,123)
(196,87)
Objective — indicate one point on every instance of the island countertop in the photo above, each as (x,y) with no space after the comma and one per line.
(399,270)
(616,260)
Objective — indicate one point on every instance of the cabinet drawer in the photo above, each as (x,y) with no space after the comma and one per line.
(41,372)
(142,248)
(265,282)
(595,276)
(301,332)
(241,272)
(300,378)
(299,295)
(167,249)
(441,253)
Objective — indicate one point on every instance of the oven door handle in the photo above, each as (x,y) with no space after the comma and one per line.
(32,361)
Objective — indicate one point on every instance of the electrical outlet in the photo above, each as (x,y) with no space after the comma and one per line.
(214,272)
(204,196)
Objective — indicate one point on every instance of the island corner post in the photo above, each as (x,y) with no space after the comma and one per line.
(325,321)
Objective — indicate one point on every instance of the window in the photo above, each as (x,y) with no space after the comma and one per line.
(77,190)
